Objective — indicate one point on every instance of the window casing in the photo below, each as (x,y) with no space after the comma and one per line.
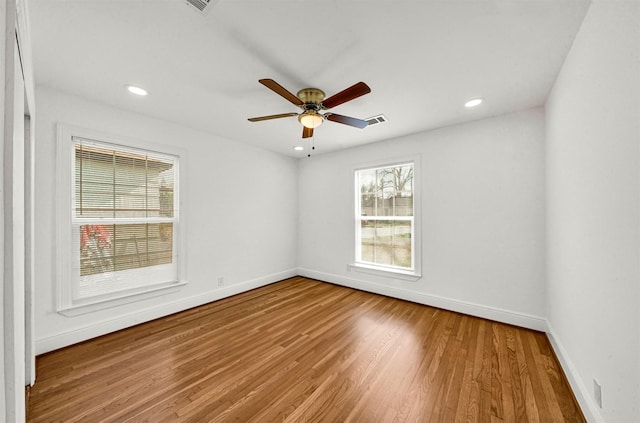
(120,222)
(385,219)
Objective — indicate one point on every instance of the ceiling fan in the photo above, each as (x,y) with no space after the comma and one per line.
(312,102)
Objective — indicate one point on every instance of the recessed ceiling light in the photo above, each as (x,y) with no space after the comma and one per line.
(473,103)
(136,90)
(298,148)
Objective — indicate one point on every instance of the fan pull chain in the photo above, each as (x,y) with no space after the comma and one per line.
(312,141)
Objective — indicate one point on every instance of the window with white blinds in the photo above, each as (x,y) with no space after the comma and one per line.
(124,220)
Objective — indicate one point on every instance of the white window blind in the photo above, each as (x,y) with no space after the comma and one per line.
(124,219)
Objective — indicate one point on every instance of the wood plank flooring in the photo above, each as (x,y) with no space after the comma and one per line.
(305,351)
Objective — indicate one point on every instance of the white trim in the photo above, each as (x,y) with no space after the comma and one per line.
(26,60)
(123,321)
(582,394)
(392,161)
(12,227)
(385,272)
(487,312)
(122,220)
(26,57)
(394,218)
(149,292)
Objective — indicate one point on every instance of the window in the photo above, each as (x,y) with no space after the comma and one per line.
(385,222)
(122,219)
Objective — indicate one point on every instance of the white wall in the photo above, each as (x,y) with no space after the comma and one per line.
(593,211)
(482,188)
(241,208)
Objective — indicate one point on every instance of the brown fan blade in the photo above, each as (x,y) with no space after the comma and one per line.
(281,115)
(358,123)
(307,132)
(279,89)
(348,94)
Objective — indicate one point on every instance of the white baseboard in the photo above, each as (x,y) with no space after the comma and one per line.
(582,394)
(74,336)
(473,309)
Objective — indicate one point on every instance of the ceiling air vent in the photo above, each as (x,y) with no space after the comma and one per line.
(201,5)
(376,120)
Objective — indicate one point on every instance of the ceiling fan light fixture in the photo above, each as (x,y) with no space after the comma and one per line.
(311,119)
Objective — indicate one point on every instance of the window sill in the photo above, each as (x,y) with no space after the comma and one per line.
(102,304)
(385,272)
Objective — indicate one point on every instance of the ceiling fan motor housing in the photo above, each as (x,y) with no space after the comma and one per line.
(312,98)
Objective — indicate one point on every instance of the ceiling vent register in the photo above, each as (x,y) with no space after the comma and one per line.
(201,5)
(375,120)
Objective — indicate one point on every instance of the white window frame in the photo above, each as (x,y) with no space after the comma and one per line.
(68,302)
(381,270)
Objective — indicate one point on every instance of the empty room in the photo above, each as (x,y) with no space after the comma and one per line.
(339,211)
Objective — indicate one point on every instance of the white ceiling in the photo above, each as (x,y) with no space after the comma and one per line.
(422,59)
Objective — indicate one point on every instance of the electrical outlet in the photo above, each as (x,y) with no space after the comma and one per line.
(221,281)
(597,393)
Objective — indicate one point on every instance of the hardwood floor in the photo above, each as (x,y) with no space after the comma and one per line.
(305,351)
